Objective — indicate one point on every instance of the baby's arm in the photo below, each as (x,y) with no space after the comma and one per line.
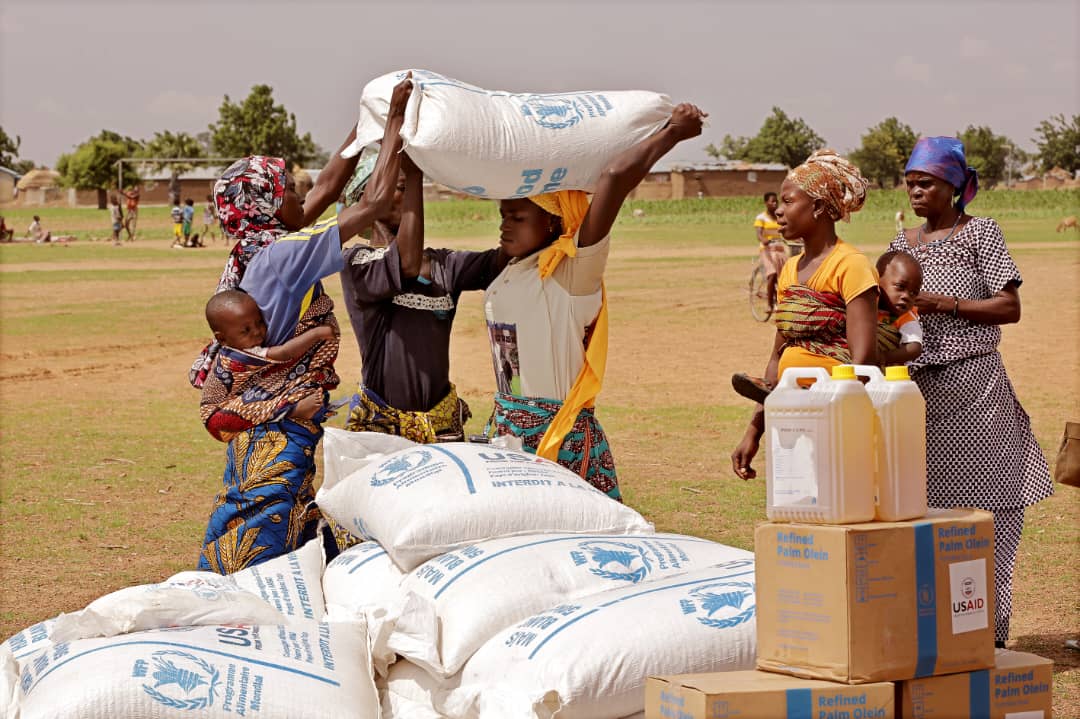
(903,354)
(911,342)
(300,344)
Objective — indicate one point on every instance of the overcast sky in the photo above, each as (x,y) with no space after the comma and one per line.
(69,70)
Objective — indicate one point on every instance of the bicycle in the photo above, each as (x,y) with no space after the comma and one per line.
(758,289)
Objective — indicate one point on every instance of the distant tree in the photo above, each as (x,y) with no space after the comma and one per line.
(92,165)
(166,144)
(206,141)
(1058,142)
(258,126)
(320,158)
(780,139)
(732,148)
(884,151)
(987,153)
(9,154)
(9,148)
(1017,162)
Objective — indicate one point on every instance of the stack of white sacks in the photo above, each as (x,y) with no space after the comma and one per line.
(491,584)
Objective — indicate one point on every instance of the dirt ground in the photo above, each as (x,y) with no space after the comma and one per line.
(132,499)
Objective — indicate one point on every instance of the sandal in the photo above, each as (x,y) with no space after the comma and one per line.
(753,388)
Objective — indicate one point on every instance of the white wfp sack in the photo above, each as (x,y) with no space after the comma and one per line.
(362,577)
(278,590)
(409,693)
(363,582)
(300,671)
(188,599)
(345,452)
(292,583)
(9,684)
(590,658)
(427,500)
(497,144)
(30,640)
(457,601)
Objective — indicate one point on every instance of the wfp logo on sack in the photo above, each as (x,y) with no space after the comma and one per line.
(391,469)
(721,604)
(181,680)
(618,561)
(203,590)
(553,113)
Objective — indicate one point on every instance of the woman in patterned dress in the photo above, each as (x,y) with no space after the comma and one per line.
(980,449)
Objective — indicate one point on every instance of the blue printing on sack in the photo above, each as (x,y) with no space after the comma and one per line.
(374,555)
(459,463)
(799,704)
(204,650)
(613,602)
(925,600)
(571,538)
(979,694)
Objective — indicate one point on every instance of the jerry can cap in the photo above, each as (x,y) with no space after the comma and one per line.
(843,371)
(897,373)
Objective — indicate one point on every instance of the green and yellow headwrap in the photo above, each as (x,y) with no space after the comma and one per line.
(364,169)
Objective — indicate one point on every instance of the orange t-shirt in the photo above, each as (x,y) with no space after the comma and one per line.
(846,272)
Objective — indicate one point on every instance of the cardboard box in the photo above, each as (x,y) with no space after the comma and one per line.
(761,695)
(1020,686)
(880,601)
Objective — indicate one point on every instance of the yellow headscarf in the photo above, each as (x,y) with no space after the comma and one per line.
(570,206)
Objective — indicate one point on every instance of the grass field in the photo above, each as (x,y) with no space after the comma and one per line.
(109,476)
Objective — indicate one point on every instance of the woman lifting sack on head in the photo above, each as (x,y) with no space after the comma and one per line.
(827,297)
(547,310)
(980,450)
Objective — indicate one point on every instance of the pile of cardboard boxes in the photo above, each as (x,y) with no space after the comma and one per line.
(871,621)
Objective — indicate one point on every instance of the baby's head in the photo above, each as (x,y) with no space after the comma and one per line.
(236,320)
(900,279)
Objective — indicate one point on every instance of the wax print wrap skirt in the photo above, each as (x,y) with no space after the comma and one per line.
(266,504)
(585,450)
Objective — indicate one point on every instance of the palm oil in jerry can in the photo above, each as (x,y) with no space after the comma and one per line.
(819,460)
(900,446)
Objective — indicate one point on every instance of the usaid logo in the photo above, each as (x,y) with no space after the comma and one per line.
(391,469)
(968,602)
(181,680)
(721,605)
(618,561)
(968,582)
(553,113)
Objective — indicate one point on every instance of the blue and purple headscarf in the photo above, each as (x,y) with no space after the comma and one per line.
(943,157)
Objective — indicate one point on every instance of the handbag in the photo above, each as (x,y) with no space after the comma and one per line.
(1067,467)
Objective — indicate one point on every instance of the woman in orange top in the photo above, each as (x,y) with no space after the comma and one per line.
(826,312)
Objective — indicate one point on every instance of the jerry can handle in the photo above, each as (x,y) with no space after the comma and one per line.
(871,371)
(791,376)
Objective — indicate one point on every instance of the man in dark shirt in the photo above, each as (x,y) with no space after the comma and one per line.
(401,300)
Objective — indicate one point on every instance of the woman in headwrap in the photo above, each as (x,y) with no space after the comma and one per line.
(980,450)
(827,297)
(547,313)
(265,506)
